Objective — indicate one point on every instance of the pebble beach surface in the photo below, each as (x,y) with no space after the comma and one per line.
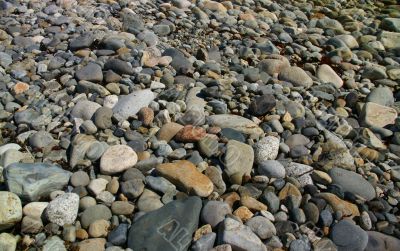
(244,125)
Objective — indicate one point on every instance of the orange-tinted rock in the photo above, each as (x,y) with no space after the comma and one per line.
(289,189)
(20,87)
(146,115)
(184,175)
(243,213)
(231,198)
(252,204)
(190,134)
(347,208)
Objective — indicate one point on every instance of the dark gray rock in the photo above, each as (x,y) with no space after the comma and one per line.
(91,72)
(347,236)
(169,228)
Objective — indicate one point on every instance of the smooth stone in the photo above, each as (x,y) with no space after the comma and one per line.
(296,76)
(157,230)
(96,186)
(205,243)
(168,131)
(266,148)
(239,158)
(93,213)
(102,117)
(262,105)
(8,242)
(327,75)
(230,133)
(116,159)
(273,64)
(10,210)
(272,169)
(390,40)
(132,189)
(160,184)
(348,236)
(342,206)
(118,66)
(63,209)
(262,227)
(352,182)
(54,243)
(34,181)
(34,209)
(129,105)
(382,96)
(236,122)
(379,241)
(91,72)
(149,201)
(119,235)
(214,212)
(122,208)
(84,109)
(81,42)
(184,175)
(239,236)
(94,244)
(80,178)
(99,228)
(9,146)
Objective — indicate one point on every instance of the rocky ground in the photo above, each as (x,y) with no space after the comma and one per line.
(199,125)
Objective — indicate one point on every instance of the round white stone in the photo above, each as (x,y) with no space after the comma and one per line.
(117,159)
(63,209)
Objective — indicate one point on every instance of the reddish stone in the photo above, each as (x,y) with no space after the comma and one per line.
(190,134)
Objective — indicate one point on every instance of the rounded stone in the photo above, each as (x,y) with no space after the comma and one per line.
(272,169)
(63,209)
(10,210)
(117,159)
(348,236)
(80,178)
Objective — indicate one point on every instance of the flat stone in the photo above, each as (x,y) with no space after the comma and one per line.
(35,209)
(168,131)
(380,241)
(382,96)
(91,72)
(296,76)
(389,39)
(262,105)
(272,169)
(273,64)
(85,109)
(236,122)
(239,158)
(10,211)
(117,159)
(327,75)
(262,227)
(149,201)
(129,105)
(184,175)
(157,230)
(239,236)
(63,209)
(214,212)
(352,182)
(34,181)
(348,236)
(118,66)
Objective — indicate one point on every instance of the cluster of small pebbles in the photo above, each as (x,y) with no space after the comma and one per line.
(199,125)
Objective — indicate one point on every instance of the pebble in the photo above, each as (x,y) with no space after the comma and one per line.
(239,158)
(348,236)
(266,149)
(63,209)
(117,159)
(272,169)
(11,211)
(214,212)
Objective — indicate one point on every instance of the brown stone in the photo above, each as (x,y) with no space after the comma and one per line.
(190,133)
(81,234)
(122,208)
(20,87)
(231,198)
(146,115)
(243,213)
(168,131)
(185,175)
(96,244)
(203,230)
(346,208)
(289,189)
(252,204)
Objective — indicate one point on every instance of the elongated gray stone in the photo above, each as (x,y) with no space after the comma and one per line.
(34,181)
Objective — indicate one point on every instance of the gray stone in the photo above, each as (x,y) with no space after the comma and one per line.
(102,117)
(391,24)
(214,212)
(118,66)
(84,109)
(271,169)
(352,182)
(379,241)
(129,105)
(382,96)
(41,139)
(34,181)
(239,236)
(239,158)
(348,236)
(80,178)
(93,213)
(63,209)
(296,76)
(54,243)
(262,227)
(157,230)
(205,243)
(266,149)
(91,72)
(160,184)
